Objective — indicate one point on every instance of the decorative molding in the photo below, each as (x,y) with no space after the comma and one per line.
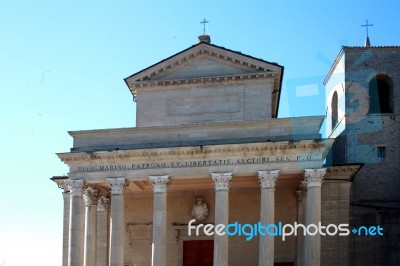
(160,183)
(117,185)
(90,196)
(199,210)
(267,179)
(314,177)
(221,180)
(75,187)
(103,204)
(341,173)
(201,80)
(303,145)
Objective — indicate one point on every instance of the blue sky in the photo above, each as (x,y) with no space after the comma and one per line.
(62,65)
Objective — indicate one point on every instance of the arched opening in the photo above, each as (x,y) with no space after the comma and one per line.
(334,109)
(380,95)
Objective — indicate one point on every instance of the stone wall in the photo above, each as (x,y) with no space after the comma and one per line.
(204,103)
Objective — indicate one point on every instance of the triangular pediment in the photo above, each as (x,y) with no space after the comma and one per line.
(202,61)
(206,63)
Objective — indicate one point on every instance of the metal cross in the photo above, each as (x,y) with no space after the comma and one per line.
(204,22)
(367,25)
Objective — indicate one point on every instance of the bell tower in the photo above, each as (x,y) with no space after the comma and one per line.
(362,92)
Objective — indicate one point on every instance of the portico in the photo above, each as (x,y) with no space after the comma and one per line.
(203,170)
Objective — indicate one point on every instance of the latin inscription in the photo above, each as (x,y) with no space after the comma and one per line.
(197,163)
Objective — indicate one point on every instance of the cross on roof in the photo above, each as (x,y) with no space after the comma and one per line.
(204,22)
(367,25)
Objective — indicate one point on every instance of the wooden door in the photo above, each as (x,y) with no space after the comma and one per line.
(198,253)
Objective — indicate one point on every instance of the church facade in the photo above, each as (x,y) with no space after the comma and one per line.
(210,176)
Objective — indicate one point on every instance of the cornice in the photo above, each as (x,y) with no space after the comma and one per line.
(302,145)
(342,172)
(204,79)
(271,123)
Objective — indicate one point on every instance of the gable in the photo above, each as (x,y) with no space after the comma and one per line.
(209,58)
(206,64)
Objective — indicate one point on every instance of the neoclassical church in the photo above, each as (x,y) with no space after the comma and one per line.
(208,151)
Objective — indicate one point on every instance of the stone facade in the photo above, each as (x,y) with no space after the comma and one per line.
(206,127)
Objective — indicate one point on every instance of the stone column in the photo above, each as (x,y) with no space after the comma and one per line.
(160,186)
(90,196)
(66,196)
(301,194)
(221,183)
(103,209)
(76,223)
(117,228)
(312,244)
(267,181)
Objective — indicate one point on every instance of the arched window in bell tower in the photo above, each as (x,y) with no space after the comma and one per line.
(380,95)
(334,109)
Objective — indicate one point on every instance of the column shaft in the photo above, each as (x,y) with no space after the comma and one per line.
(312,244)
(77,223)
(301,197)
(221,242)
(267,215)
(66,196)
(160,185)
(103,231)
(117,228)
(90,196)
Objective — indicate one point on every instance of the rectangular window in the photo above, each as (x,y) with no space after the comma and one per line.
(381,151)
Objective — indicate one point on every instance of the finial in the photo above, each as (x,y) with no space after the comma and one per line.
(204,22)
(367,42)
(204,37)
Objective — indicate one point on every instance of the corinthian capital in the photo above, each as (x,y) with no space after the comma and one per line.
(75,186)
(222,180)
(301,190)
(160,183)
(90,196)
(117,185)
(267,179)
(314,177)
(103,204)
